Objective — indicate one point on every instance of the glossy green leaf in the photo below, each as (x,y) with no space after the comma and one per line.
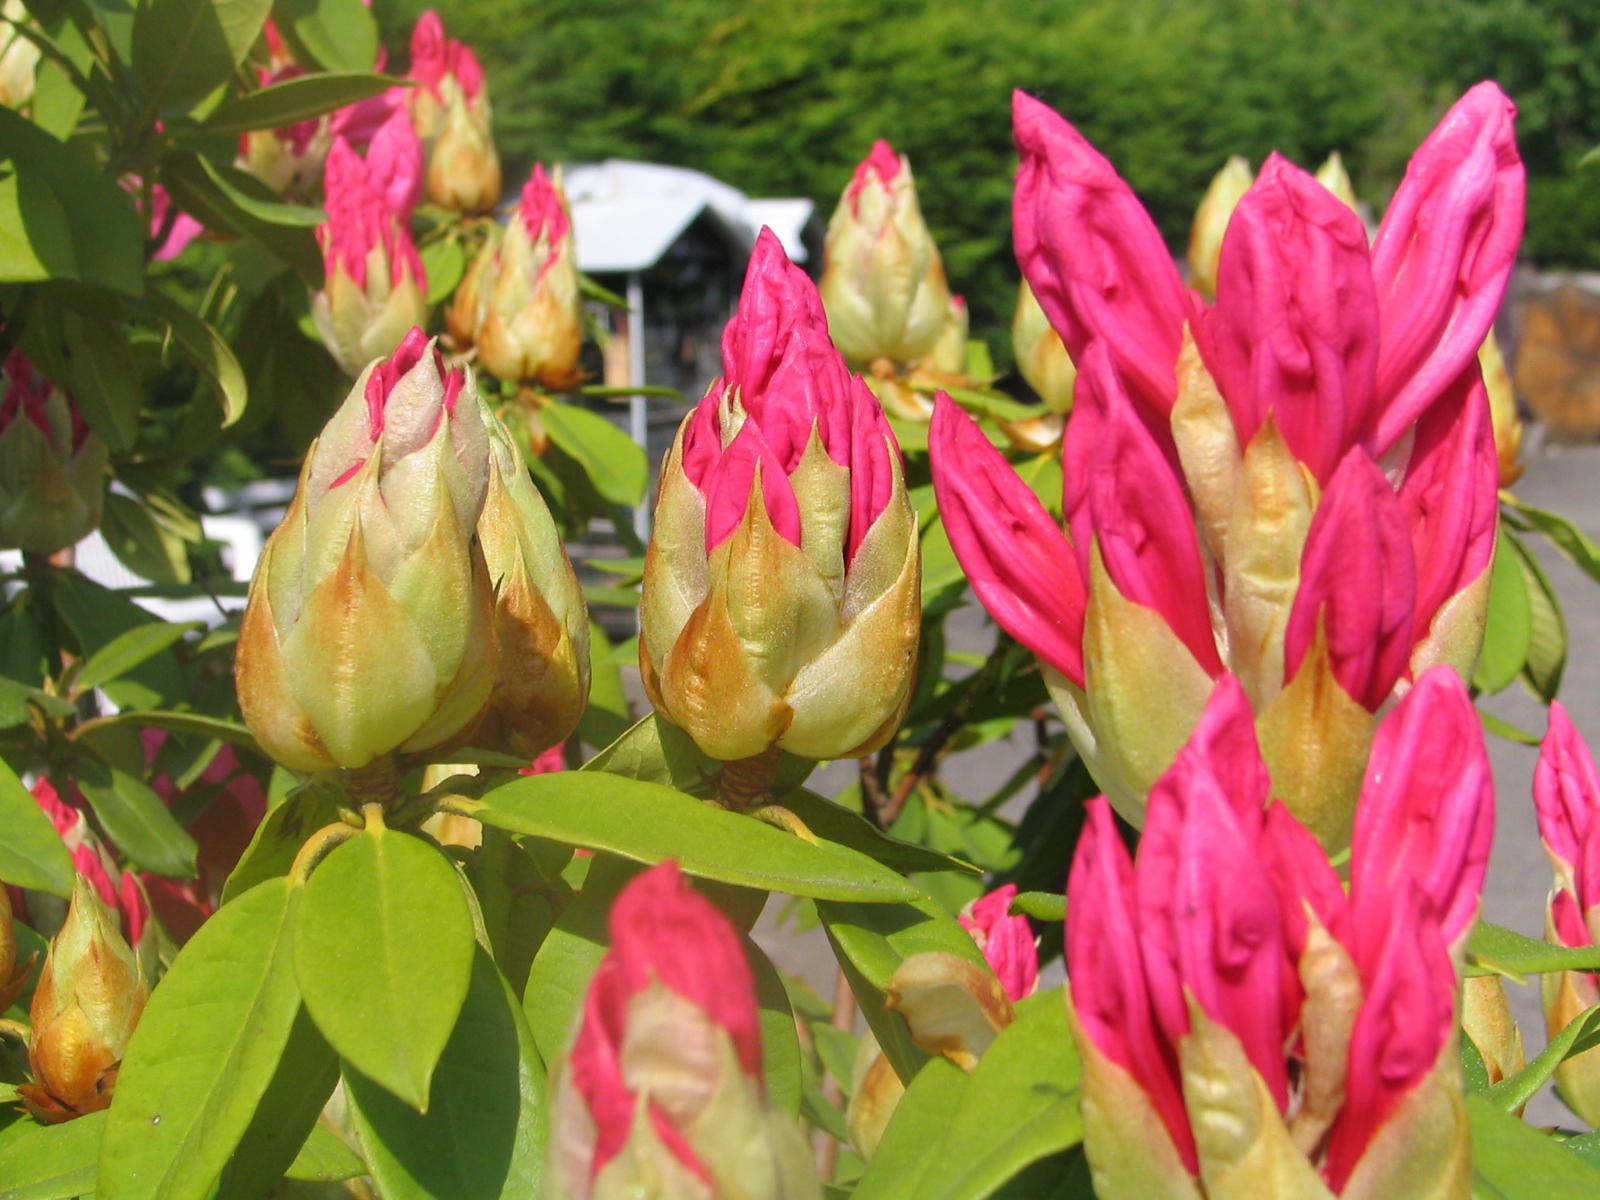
(137,819)
(614,463)
(1509,626)
(383,951)
(32,854)
(208,350)
(657,751)
(649,823)
(1018,1106)
(516,904)
(835,823)
(204,1052)
(484,1133)
(280,835)
(127,650)
(49,1162)
(337,35)
(1516,1090)
(1547,627)
(1495,950)
(217,728)
(1511,1160)
(183,49)
(325,1158)
(293,100)
(61,217)
(780,1039)
(228,200)
(95,614)
(1565,536)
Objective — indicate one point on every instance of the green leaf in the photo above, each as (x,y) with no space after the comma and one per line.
(1516,1090)
(60,217)
(780,1039)
(251,198)
(1565,536)
(280,835)
(32,854)
(483,1134)
(1018,1106)
(1043,906)
(657,751)
(383,950)
(649,823)
(294,100)
(607,716)
(204,1052)
(516,903)
(145,545)
(1495,950)
(835,823)
(1547,628)
(1509,626)
(1511,1160)
(49,1162)
(127,650)
(95,614)
(444,262)
(89,355)
(183,49)
(230,201)
(325,1158)
(208,351)
(137,819)
(17,702)
(184,722)
(569,955)
(614,463)
(337,35)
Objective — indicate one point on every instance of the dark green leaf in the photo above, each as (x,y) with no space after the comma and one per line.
(337,35)
(143,544)
(183,49)
(280,835)
(1511,1160)
(32,854)
(204,1052)
(207,350)
(90,355)
(136,819)
(232,202)
(607,717)
(184,722)
(96,614)
(483,1134)
(17,702)
(49,1162)
(127,650)
(1565,536)
(649,823)
(294,100)
(1018,1106)
(60,218)
(614,463)
(383,951)
(517,905)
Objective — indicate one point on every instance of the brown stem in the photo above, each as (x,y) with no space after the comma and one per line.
(376,783)
(844,1017)
(874,798)
(746,783)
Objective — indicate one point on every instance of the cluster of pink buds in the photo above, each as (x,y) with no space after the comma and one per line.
(375,288)
(450,109)
(1246,1027)
(1315,499)
(662,1093)
(52,465)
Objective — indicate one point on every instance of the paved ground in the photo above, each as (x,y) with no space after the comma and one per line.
(1563,478)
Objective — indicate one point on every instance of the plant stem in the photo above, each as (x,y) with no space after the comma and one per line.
(376,783)
(844,1017)
(746,783)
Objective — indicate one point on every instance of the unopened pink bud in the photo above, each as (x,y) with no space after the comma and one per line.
(394,164)
(1006,941)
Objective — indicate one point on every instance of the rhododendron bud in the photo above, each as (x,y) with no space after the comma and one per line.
(882,280)
(450,110)
(87,1002)
(1042,359)
(13,975)
(1006,940)
(781,588)
(949,353)
(369,628)
(662,1093)
(1211,221)
(1332,175)
(375,287)
(1566,794)
(288,159)
(1487,1022)
(394,164)
(519,302)
(52,465)
(19,56)
(541,621)
(1504,415)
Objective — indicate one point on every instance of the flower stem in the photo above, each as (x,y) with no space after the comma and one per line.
(746,783)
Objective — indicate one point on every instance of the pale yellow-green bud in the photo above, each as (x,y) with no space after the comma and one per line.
(1211,221)
(19,56)
(52,465)
(370,625)
(463,165)
(1041,357)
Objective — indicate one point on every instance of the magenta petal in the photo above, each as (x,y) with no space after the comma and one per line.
(872,450)
(394,163)
(1136,509)
(541,209)
(1426,813)
(1018,561)
(729,483)
(1566,789)
(1444,253)
(596,1065)
(1095,259)
(1007,941)
(1567,919)
(1357,576)
(1224,746)
(1304,879)
(1294,331)
(1104,964)
(1405,1019)
(1451,496)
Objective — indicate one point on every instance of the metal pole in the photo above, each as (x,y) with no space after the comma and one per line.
(638,406)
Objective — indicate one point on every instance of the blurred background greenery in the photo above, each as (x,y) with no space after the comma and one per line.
(783,97)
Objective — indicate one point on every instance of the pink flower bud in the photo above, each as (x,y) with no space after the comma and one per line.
(1444,253)
(1566,794)
(1006,941)
(52,465)
(1095,259)
(1357,583)
(394,164)
(288,159)
(1426,813)
(1028,577)
(450,110)
(1295,329)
